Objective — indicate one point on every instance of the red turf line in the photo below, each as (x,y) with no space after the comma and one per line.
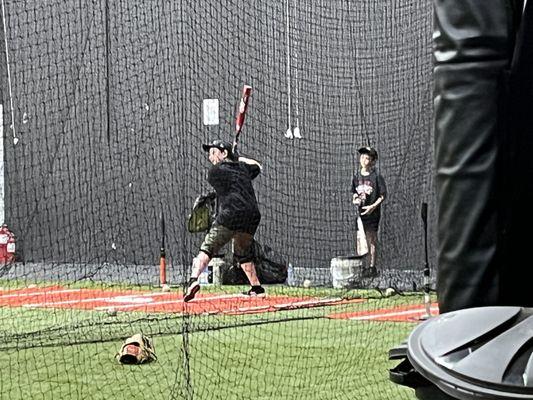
(145,301)
(153,302)
(29,290)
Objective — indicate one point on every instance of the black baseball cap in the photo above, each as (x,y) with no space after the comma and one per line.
(219,144)
(370,151)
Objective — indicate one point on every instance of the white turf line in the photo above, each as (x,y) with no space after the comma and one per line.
(150,303)
(393,314)
(48,303)
(223,297)
(157,303)
(116,299)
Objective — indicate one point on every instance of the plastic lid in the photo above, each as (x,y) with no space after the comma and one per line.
(477,353)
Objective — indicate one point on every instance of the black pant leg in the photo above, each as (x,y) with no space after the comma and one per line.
(473,44)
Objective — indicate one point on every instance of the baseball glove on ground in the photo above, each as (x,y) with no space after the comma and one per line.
(137,349)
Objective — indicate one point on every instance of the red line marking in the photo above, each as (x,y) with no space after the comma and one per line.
(172,302)
(33,294)
(41,296)
(143,301)
(410,313)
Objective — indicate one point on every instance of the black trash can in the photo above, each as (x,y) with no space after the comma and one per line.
(477,353)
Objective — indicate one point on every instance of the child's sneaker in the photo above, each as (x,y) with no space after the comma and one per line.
(194,287)
(255,291)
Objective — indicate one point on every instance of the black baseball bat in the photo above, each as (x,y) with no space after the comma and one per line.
(427,300)
(424,216)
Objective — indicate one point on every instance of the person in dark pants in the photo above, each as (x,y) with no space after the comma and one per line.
(482,154)
(483,96)
(237,215)
(369,191)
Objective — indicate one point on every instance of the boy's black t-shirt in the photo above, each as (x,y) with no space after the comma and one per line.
(369,188)
(237,204)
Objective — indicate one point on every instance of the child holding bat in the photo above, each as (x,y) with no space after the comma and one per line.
(237,216)
(369,191)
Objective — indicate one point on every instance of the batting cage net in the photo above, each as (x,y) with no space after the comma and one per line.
(105,105)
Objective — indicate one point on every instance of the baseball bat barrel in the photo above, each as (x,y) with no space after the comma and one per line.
(243,106)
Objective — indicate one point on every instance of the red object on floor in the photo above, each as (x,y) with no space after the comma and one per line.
(7,245)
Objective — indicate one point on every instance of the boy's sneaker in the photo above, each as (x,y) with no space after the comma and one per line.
(194,287)
(255,291)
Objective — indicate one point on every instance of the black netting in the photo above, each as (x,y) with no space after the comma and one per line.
(103,124)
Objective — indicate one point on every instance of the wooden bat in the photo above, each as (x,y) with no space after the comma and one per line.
(361,243)
(243,106)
